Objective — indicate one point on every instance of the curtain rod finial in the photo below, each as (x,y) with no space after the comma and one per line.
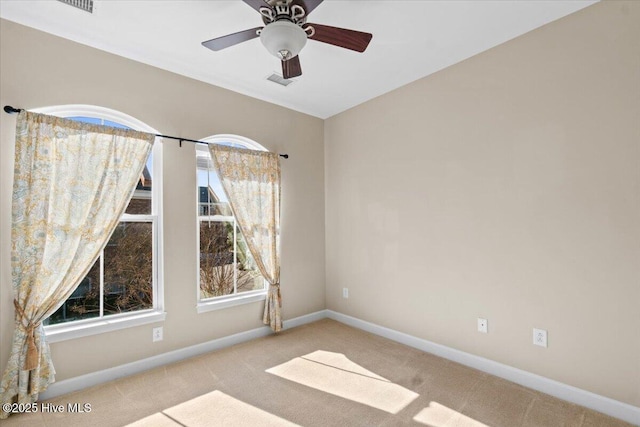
(9,109)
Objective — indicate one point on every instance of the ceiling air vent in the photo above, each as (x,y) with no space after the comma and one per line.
(86,5)
(279,79)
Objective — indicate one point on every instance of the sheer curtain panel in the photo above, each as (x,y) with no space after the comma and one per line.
(72,182)
(251,180)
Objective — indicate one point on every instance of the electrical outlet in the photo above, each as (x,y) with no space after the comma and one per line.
(483,325)
(540,337)
(345,292)
(157,334)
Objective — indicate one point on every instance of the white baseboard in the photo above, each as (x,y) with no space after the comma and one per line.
(307,318)
(614,408)
(566,392)
(83,381)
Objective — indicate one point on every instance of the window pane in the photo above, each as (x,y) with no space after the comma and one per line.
(128,268)
(207,178)
(124,280)
(219,276)
(216,259)
(140,203)
(83,303)
(249,277)
(209,206)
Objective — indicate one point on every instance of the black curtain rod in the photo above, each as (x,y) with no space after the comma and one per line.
(10,110)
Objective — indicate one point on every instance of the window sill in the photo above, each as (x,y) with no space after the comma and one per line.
(62,332)
(218,304)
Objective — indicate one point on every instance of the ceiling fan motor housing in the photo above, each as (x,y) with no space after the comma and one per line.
(283,11)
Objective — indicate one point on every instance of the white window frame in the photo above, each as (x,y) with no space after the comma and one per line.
(225,301)
(93,326)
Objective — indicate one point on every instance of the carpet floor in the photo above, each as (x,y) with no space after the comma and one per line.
(321,374)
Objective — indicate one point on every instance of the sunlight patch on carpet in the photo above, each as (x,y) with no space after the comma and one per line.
(340,361)
(334,373)
(437,415)
(215,408)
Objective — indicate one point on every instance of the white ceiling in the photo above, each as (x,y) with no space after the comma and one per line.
(411,39)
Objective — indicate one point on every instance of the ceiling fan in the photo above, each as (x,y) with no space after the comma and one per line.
(285,32)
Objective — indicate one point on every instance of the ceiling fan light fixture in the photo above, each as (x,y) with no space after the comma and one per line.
(283,39)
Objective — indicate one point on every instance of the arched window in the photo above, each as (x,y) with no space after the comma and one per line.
(123,287)
(227,274)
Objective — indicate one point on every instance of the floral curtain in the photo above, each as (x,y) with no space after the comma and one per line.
(72,182)
(251,180)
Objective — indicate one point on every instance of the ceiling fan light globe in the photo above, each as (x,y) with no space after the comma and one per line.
(282,36)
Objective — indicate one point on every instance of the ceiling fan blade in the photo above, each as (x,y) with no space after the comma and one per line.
(231,39)
(256,4)
(291,68)
(308,5)
(348,39)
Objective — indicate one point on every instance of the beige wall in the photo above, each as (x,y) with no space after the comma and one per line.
(39,70)
(505,187)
